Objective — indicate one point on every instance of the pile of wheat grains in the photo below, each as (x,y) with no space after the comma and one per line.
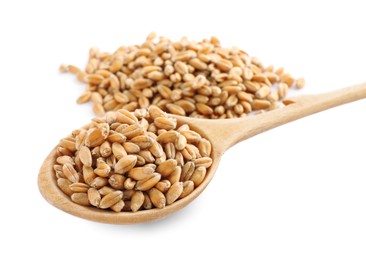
(135,156)
(130,161)
(188,78)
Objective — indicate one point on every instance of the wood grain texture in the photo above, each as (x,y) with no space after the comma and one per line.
(222,134)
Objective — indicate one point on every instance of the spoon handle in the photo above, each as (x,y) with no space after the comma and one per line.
(236,130)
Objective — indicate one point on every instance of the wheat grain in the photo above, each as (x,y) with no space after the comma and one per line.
(137,200)
(79,187)
(110,199)
(94,197)
(198,176)
(80,198)
(174,192)
(64,185)
(157,198)
(188,187)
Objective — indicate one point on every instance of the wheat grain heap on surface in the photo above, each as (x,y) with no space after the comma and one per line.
(188,78)
(130,161)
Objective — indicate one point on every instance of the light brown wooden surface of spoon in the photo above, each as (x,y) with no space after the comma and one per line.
(222,134)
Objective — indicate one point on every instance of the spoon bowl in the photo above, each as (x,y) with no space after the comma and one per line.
(222,134)
(47,184)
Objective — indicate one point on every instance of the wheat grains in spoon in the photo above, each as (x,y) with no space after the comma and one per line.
(222,134)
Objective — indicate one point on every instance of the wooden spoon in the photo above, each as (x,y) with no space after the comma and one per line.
(222,134)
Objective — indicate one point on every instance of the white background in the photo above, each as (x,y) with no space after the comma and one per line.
(295,192)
